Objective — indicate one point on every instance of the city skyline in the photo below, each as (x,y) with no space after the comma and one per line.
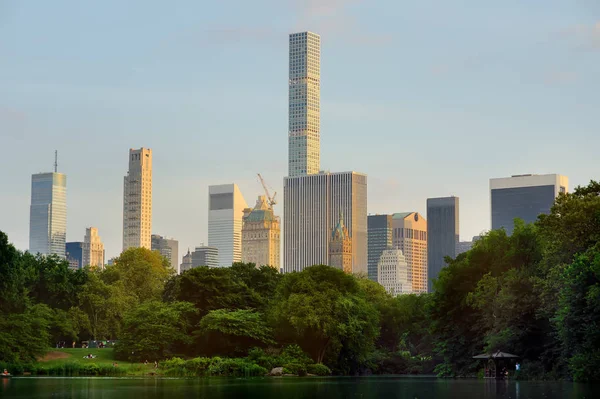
(100,113)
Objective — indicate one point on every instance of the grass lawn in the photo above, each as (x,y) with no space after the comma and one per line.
(59,356)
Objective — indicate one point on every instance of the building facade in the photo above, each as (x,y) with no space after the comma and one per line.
(524,197)
(442,234)
(393,271)
(48,214)
(186,262)
(379,238)
(261,235)
(74,254)
(137,200)
(340,247)
(304,103)
(463,246)
(225,213)
(205,256)
(93,248)
(312,205)
(168,247)
(410,236)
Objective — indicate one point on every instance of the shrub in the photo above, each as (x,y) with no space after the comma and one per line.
(295,368)
(198,366)
(318,369)
(235,368)
(174,366)
(294,354)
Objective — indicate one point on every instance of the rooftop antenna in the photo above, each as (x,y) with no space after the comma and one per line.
(55,161)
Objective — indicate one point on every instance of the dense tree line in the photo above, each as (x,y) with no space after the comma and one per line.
(535,293)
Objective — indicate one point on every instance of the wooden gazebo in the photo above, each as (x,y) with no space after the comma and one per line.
(496,364)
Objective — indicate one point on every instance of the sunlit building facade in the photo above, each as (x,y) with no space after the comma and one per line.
(340,247)
(261,235)
(48,214)
(137,200)
(410,236)
(93,248)
(304,103)
(393,271)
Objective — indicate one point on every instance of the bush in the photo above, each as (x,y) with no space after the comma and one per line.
(295,354)
(198,366)
(295,368)
(174,367)
(318,369)
(235,368)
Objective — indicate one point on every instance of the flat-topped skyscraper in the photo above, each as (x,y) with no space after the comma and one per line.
(442,234)
(48,213)
(225,219)
(304,104)
(137,200)
(524,197)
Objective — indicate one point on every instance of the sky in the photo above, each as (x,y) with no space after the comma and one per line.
(428,98)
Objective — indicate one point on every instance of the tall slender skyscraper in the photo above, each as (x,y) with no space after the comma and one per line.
(137,200)
(48,213)
(442,234)
(225,218)
(93,249)
(379,238)
(410,236)
(304,104)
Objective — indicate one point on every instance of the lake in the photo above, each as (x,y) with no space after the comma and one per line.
(290,388)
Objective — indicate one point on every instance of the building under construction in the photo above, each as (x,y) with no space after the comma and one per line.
(261,232)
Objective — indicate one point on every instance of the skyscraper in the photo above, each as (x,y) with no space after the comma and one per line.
(442,234)
(93,249)
(168,247)
(205,256)
(225,212)
(392,272)
(74,254)
(261,235)
(379,238)
(304,104)
(137,200)
(410,236)
(48,214)
(312,205)
(523,196)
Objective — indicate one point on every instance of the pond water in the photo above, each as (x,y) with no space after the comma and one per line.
(290,388)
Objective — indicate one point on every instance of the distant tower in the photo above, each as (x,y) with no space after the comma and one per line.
(304,104)
(261,234)
(340,247)
(442,234)
(48,213)
(410,236)
(137,200)
(93,249)
(168,248)
(225,211)
(186,262)
(392,272)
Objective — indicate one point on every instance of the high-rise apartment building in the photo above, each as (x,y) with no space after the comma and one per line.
(442,234)
(93,248)
(312,205)
(410,236)
(225,213)
(74,254)
(304,104)
(379,238)
(48,214)
(168,247)
(261,235)
(340,247)
(524,197)
(137,200)
(393,272)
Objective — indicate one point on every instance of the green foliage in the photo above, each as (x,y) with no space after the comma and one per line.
(25,336)
(295,368)
(318,369)
(230,332)
(152,329)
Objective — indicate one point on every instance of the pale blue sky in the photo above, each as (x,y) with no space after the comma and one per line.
(429,98)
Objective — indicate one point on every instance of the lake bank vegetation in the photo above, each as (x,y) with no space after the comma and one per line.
(535,293)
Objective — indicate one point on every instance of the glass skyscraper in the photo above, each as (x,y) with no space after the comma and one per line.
(379,238)
(442,234)
(48,214)
(304,104)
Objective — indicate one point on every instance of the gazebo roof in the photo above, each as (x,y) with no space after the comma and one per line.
(496,355)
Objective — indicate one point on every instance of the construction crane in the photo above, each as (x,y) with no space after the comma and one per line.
(272,201)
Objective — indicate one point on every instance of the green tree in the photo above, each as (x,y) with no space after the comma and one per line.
(323,310)
(232,332)
(578,316)
(153,329)
(25,335)
(143,273)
